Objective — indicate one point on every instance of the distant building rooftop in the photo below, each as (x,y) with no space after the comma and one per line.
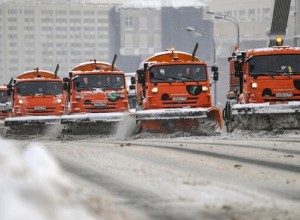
(157,4)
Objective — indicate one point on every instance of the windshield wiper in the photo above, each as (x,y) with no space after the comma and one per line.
(286,74)
(263,74)
(281,73)
(159,78)
(186,77)
(84,87)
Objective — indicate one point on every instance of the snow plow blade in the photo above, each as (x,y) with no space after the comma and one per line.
(92,123)
(197,121)
(30,125)
(262,116)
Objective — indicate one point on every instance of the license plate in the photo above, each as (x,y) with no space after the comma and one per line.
(100,104)
(283,95)
(179,98)
(40,108)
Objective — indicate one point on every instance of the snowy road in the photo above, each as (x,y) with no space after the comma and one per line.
(234,177)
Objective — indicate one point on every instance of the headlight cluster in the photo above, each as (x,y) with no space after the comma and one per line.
(254,85)
(154,90)
(204,88)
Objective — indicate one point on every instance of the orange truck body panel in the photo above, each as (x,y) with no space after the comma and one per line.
(173,94)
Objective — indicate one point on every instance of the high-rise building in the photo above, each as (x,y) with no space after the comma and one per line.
(143,28)
(254,21)
(45,33)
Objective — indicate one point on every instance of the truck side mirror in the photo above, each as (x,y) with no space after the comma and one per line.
(65,86)
(214,69)
(132,87)
(238,67)
(66,79)
(132,80)
(9,89)
(238,74)
(141,76)
(216,76)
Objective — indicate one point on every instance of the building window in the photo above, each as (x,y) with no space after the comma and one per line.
(242,14)
(29,12)
(47,12)
(12,19)
(89,12)
(251,14)
(60,12)
(128,23)
(12,11)
(75,13)
(47,20)
(266,13)
(228,13)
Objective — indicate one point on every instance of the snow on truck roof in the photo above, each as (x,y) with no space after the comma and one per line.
(89,66)
(160,54)
(41,74)
(275,48)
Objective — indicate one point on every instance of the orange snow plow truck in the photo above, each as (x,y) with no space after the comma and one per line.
(38,101)
(173,94)
(5,103)
(264,89)
(98,99)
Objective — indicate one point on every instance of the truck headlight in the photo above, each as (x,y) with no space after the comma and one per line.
(254,85)
(154,90)
(204,88)
(21,101)
(58,100)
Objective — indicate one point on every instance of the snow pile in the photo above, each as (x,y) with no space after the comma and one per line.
(33,187)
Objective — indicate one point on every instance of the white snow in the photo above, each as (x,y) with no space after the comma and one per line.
(42,118)
(109,117)
(289,107)
(33,187)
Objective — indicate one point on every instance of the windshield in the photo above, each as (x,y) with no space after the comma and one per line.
(40,88)
(175,73)
(275,64)
(3,97)
(104,81)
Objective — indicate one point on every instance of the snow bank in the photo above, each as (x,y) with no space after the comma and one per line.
(33,187)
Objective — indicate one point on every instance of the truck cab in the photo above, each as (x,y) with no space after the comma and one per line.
(36,93)
(95,88)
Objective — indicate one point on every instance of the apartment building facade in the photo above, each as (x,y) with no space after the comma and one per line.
(143,28)
(254,19)
(46,33)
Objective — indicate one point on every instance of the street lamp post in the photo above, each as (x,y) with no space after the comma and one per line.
(201,34)
(231,19)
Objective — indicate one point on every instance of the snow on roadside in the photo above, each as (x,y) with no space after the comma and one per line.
(33,187)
